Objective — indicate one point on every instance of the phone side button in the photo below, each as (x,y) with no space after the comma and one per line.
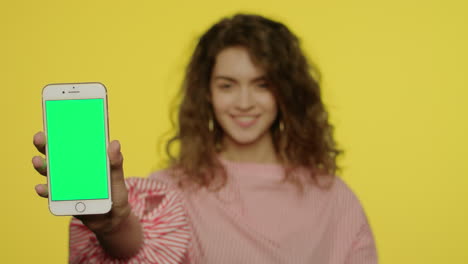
(80,207)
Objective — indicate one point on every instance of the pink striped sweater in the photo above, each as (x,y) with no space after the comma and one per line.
(254,219)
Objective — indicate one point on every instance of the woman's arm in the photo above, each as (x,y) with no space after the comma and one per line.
(125,241)
(363,250)
(156,231)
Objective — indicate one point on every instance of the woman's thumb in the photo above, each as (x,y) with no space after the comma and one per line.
(116,161)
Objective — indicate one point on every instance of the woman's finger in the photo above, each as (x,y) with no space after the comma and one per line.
(40,165)
(42,190)
(39,141)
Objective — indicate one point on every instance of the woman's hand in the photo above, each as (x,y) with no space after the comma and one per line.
(102,224)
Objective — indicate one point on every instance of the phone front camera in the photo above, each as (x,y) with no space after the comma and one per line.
(63,92)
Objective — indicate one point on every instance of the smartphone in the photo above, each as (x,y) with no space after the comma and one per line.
(76,127)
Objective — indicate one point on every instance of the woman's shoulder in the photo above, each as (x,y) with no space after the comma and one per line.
(157,182)
(328,185)
(336,191)
(346,201)
(161,176)
(343,190)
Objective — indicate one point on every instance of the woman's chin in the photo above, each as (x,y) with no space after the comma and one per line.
(244,140)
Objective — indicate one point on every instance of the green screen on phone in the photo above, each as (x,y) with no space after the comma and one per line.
(76,142)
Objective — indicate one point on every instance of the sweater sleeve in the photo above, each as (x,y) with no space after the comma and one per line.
(166,232)
(363,250)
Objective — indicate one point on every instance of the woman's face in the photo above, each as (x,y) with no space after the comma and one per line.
(243,104)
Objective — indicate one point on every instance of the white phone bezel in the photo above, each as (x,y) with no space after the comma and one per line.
(67,91)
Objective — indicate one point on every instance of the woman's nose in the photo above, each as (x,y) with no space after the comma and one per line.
(245,100)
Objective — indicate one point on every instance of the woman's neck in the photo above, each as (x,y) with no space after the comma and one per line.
(260,151)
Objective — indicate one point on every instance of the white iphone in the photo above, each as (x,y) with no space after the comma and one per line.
(77,136)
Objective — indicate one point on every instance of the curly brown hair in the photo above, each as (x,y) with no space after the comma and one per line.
(307,136)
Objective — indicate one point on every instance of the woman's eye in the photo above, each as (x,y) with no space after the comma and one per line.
(224,85)
(263,84)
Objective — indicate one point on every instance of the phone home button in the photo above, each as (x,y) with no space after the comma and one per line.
(80,207)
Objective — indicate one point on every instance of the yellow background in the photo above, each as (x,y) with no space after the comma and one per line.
(395,82)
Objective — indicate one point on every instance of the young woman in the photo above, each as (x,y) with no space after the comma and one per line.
(254,178)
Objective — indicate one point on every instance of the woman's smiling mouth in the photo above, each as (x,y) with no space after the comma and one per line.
(245,121)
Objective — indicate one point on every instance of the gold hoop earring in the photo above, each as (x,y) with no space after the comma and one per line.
(281,126)
(210,125)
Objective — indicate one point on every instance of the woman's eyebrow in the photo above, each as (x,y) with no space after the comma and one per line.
(260,78)
(221,77)
(227,78)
